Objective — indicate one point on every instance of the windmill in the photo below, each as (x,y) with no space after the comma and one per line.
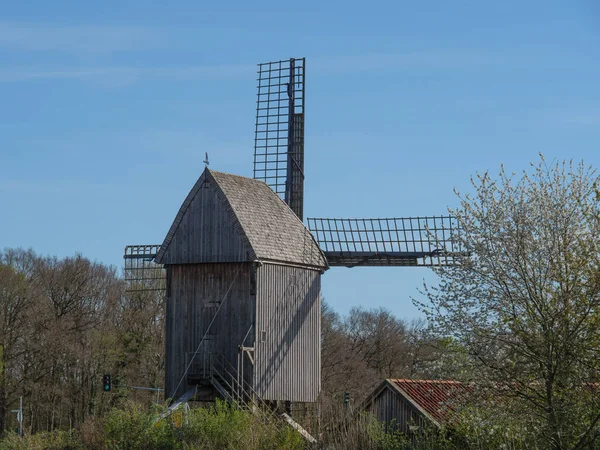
(241,270)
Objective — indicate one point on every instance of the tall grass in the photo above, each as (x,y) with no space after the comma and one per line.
(133,427)
(222,427)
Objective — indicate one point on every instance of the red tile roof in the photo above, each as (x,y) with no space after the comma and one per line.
(437,398)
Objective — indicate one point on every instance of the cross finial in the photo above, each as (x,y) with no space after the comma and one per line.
(206,159)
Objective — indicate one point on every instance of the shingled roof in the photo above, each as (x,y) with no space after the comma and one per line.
(268,229)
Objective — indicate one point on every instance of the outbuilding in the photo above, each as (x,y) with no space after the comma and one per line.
(411,405)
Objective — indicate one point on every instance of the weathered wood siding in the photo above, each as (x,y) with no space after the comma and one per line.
(288,333)
(390,407)
(208,231)
(194,292)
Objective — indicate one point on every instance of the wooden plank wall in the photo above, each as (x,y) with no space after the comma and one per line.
(208,232)
(391,408)
(194,292)
(288,333)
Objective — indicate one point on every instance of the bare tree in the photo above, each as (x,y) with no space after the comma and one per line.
(380,339)
(15,307)
(366,346)
(63,323)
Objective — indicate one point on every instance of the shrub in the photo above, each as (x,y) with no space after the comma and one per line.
(223,427)
(134,428)
(56,440)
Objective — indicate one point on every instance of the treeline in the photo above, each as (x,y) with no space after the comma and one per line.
(63,323)
(67,321)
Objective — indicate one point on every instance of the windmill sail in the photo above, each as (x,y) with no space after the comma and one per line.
(279,133)
(408,241)
(141,272)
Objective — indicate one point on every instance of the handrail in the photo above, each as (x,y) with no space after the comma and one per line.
(242,391)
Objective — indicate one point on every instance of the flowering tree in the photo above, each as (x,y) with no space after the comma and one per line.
(524,307)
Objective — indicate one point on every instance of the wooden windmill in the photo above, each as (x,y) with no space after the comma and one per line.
(243,271)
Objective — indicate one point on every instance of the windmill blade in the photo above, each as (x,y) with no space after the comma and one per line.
(408,241)
(279,133)
(141,272)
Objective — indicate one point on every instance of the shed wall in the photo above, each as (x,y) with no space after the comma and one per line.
(194,292)
(391,408)
(288,333)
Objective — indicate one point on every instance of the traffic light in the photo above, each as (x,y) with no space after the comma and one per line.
(106,382)
(346,399)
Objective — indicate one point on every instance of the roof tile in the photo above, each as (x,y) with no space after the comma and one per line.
(438,398)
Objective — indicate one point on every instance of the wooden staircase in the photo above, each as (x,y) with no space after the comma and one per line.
(219,379)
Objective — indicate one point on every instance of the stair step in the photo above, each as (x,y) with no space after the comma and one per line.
(224,393)
(199,380)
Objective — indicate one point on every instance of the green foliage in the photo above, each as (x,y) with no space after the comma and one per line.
(134,427)
(219,427)
(224,427)
(57,440)
(385,439)
(472,431)
(363,432)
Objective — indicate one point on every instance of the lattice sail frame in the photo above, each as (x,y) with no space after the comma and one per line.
(141,273)
(279,132)
(408,241)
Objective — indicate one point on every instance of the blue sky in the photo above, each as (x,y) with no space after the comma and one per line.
(107,109)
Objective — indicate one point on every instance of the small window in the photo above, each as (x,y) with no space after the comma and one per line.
(253,281)
(263,335)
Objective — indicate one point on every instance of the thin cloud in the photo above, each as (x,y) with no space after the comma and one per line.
(7,75)
(128,74)
(571,114)
(397,61)
(584,119)
(65,187)
(80,38)
(505,59)
(321,66)
(450,60)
